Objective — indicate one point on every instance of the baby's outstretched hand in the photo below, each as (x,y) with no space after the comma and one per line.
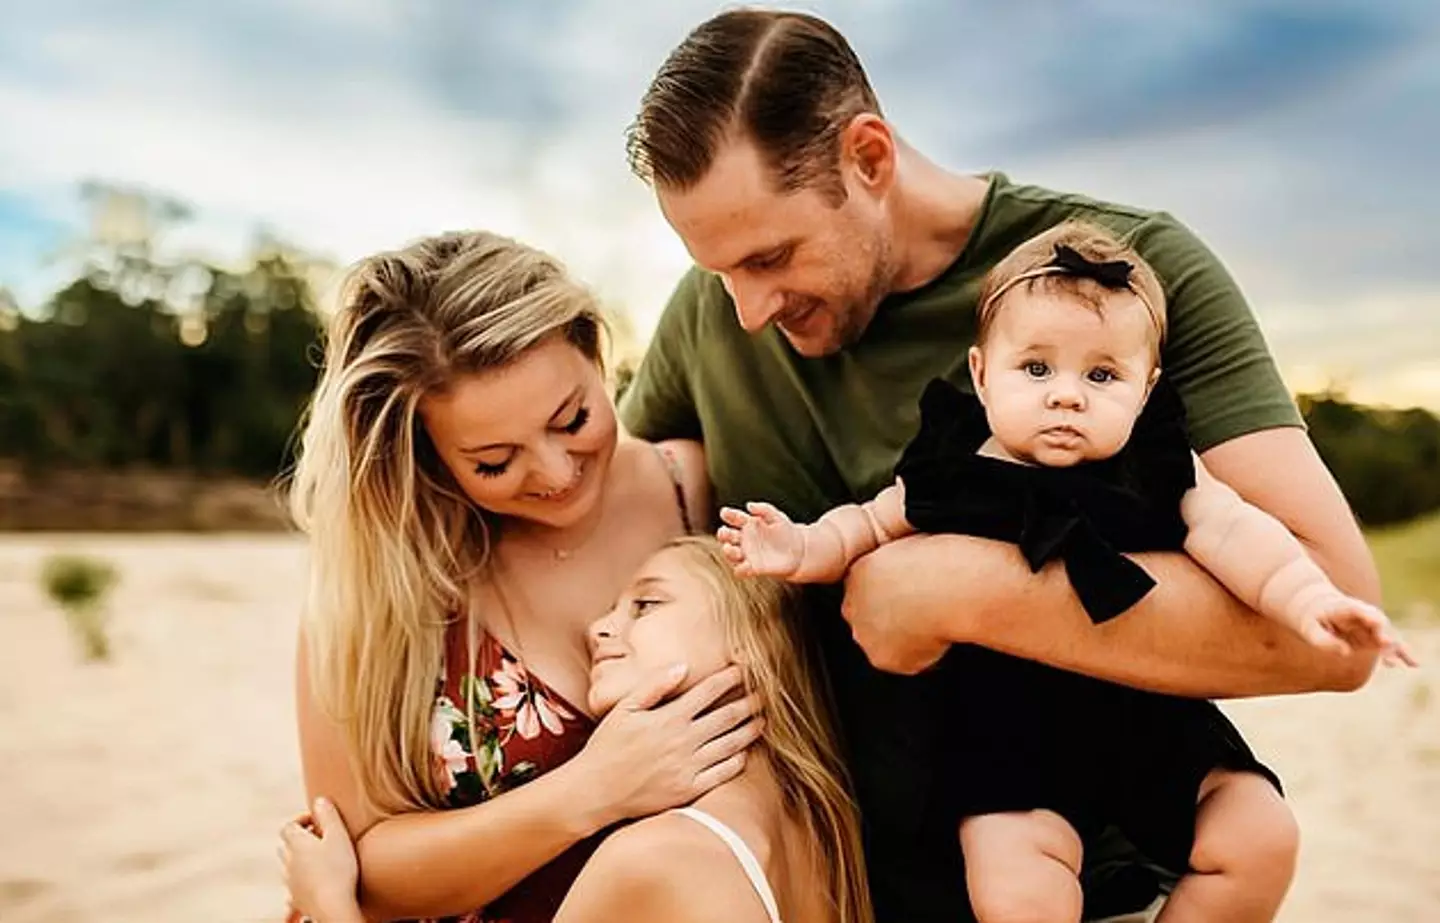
(320,867)
(761,541)
(1343,624)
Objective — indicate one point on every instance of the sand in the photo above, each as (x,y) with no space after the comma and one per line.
(151,787)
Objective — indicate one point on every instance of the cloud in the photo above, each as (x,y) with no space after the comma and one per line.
(1289,134)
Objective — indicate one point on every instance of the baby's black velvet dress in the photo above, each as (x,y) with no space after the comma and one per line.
(1029,736)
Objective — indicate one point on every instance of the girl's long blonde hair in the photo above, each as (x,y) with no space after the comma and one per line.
(760,618)
(395,544)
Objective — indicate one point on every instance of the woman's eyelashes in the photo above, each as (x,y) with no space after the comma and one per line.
(577,423)
(486,470)
(573,427)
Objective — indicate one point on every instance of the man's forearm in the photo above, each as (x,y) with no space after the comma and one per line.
(1188,636)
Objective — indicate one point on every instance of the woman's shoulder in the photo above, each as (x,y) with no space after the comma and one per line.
(659,868)
(684,461)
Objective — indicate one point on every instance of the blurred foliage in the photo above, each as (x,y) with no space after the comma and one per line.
(1386,461)
(144,362)
(141,362)
(78,585)
(1409,560)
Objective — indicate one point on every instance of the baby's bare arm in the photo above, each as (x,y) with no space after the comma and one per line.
(1248,551)
(837,539)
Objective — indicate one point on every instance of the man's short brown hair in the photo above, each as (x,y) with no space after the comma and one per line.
(1024,269)
(789,82)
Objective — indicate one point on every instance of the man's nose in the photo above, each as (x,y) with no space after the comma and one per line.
(755,305)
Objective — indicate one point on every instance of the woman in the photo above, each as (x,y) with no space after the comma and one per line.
(780,841)
(471,509)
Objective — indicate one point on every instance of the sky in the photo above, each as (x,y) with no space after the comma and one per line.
(1299,138)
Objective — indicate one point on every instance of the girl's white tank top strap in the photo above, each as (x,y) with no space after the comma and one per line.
(748,862)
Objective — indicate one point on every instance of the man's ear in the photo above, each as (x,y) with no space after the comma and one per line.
(977,372)
(869,143)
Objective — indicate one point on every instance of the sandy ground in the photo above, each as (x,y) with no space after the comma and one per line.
(151,787)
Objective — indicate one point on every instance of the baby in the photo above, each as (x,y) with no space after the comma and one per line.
(1075,449)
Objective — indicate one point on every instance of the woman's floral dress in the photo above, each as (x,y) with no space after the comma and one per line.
(523,729)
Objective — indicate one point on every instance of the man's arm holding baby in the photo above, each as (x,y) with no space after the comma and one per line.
(908,601)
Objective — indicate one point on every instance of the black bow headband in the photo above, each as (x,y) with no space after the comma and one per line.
(1111,274)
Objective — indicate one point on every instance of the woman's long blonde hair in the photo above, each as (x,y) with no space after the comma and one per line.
(395,544)
(760,618)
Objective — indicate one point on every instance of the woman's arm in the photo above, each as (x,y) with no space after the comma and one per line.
(437,863)
(534,823)
(1189,636)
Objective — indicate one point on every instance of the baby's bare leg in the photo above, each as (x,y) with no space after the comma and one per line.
(1022,867)
(1246,841)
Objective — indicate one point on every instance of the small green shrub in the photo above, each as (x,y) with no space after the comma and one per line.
(78,585)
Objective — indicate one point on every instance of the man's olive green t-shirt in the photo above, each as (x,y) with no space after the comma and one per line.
(809,434)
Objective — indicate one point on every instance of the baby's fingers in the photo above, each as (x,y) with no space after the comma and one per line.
(765,512)
(1397,653)
(1320,635)
(728,536)
(733,517)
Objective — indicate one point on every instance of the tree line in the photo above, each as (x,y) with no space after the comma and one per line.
(190,366)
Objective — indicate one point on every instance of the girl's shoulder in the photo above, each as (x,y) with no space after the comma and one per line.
(664,867)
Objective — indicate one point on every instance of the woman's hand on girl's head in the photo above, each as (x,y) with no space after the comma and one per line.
(646,757)
(319,865)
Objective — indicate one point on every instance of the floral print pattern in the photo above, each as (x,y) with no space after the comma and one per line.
(521,728)
(506,702)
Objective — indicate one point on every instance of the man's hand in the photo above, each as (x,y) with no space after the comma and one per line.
(887,615)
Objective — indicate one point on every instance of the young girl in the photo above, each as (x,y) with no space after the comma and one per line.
(780,841)
(1074,448)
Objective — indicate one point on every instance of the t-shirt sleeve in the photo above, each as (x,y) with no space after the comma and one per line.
(659,403)
(1215,354)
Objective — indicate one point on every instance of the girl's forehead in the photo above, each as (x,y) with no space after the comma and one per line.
(676,572)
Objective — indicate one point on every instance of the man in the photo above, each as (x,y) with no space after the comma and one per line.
(837,272)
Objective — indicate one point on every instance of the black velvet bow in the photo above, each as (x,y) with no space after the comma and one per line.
(1111,274)
(1106,582)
